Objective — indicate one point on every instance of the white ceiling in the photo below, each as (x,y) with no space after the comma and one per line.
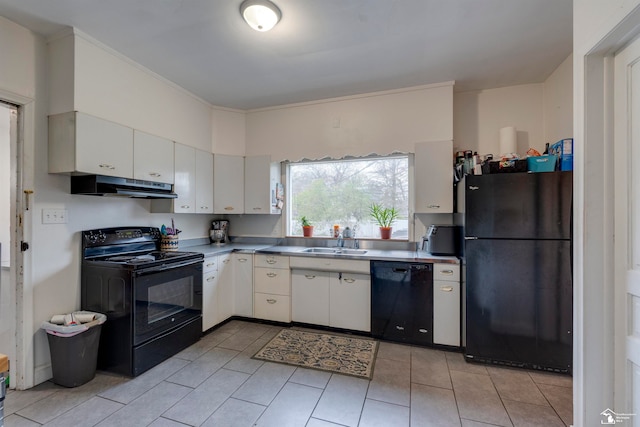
(321,48)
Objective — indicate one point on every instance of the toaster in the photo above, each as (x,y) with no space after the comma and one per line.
(442,240)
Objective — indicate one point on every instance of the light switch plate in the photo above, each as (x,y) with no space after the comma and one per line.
(54,216)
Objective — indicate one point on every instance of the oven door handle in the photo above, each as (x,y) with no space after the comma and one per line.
(170,266)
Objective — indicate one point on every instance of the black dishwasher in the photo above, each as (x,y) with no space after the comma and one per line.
(402,301)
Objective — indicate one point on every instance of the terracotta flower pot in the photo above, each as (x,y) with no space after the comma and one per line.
(307,231)
(385,232)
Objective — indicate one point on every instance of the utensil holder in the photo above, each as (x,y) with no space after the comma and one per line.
(169,243)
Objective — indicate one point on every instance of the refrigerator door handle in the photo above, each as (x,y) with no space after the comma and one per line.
(470,238)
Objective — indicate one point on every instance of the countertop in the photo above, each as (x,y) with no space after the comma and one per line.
(371,254)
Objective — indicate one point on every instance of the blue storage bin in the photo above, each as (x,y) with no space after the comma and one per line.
(546,163)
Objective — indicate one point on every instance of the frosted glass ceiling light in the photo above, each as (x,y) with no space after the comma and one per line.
(261,15)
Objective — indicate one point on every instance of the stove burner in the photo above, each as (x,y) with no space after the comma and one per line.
(148,257)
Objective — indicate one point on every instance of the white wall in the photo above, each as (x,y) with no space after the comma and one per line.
(599,28)
(5,194)
(379,123)
(558,103)
(478,117)
(228,134)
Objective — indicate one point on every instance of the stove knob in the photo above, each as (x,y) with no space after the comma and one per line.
(101,237)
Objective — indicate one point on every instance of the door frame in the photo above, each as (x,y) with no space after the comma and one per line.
(598,374)
(21,220)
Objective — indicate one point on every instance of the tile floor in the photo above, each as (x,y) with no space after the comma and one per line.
(216,383)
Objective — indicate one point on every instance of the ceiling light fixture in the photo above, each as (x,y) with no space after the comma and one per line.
(261,15)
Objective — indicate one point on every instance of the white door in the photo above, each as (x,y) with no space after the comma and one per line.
(627,231)
(8,125)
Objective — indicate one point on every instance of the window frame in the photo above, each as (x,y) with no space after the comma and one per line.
(288,215)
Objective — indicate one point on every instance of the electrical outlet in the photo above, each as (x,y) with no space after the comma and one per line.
(54,216)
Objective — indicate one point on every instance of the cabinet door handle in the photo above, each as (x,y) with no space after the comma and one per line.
(447,272)
(446,288)
(185,206)
(271,274)
(400,328)
(211,264)
(349,280)
(309,276)
(271,261)
(155,174)
(226,261)
(257,209)
(210,278)
(242,260)
(204,207)
(433,206)
(272,301)
(228,208)
(107,166)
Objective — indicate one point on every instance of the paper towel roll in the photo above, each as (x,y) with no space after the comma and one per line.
(84,317)
(57,319)
(508,140)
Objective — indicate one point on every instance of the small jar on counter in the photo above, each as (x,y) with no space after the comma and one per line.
(336,231)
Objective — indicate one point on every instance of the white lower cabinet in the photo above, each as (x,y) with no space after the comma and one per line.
(446,304)
(310,297)
(209,292)
(272,288)
(350,301)
(243,286)
(225,296)
(339,300)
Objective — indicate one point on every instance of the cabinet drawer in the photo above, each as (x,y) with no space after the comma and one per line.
(449,272)
(210,264)
(209,277)
(272,281)
(272,307)
(271,261)
(330,264)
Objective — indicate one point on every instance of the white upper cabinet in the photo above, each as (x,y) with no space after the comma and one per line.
(261,178)
(152,158)
(228,184)
(204,182)
(82,143)
(434,177)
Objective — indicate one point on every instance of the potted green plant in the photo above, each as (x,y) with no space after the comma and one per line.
(307,228)
(384,217)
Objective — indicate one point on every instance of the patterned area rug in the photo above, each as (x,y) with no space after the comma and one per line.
(340,354)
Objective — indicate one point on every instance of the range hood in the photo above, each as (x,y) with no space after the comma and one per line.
(110,186)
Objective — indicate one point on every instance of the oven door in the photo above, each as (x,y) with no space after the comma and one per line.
(166,297)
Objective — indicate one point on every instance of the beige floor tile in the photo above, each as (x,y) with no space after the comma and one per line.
(429,367)
(198,405)
(146,408)
(86,414)
(65,399)
(16,400)
(383,414)
(196,372)
(478,399)
(561,399)
(314,422)
(433,407)
(393,351)
(292,407)
(133,388)
(391,382)
(310,377)
(559,380)
(15,420)
(515,384)
(235,413)
(342,400)
(528,415)
(164,422)
(265,384)
(471,423)
(457,362)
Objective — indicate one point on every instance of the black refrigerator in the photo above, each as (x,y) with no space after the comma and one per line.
(519,297)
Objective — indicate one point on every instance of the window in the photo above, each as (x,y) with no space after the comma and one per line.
(341,192)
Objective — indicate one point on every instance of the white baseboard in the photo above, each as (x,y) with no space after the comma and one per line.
(42,373)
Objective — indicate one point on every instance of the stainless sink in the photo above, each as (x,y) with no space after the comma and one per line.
(335,251)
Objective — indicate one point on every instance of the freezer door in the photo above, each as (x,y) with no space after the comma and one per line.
(519,205)
(519,303)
